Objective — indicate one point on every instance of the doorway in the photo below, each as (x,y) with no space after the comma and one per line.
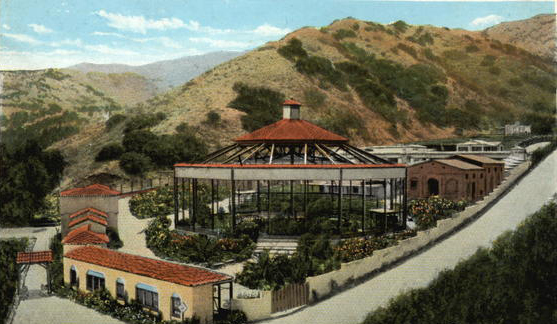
(433,187)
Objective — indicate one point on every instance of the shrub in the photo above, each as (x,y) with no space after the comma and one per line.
(109,152)
(195,248)
(472,48)
(427,212)
(408,49)
(212,118)
(321,66)
(515,82)
(115,241)
(153,203)
(314,98)
(293,50)
(114,120)
(488,60)
(261,105)
(143,121)
(9,276)
(494,70)
(135,163)
(539,154)
(455,55)
(248,228)
(511,282)
(400,26)
(343,33)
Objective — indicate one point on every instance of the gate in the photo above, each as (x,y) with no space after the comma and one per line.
(290,296)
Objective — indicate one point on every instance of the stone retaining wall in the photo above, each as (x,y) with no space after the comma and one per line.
(327,284)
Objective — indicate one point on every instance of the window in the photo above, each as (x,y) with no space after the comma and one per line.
(175,303)
(474,176)
(466,176)
(73,277)
(481,175)
(95,280)
(147,296)
(413,183)
(120,291)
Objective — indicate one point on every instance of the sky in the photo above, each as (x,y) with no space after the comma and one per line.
(37,34)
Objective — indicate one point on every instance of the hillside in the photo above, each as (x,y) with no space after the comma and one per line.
(54,104)
(536,35)
(168,73)
(377,84)
(482,80)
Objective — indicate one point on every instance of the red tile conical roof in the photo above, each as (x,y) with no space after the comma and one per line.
(291,131)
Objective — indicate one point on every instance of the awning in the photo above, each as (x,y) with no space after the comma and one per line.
(95,274)
(146,287)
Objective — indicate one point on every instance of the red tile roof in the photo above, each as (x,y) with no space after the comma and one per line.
(90,217)
(162,270)
(291,131)
(291,166)
(477,158)
(92,190)
(83,235)
(34,257)
(458,164)
(291,102)
(89,210)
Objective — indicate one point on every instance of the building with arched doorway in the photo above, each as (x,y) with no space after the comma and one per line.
(448,178)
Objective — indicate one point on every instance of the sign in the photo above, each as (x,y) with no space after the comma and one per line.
(183,307)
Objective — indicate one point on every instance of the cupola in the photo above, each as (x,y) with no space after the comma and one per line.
(291,109)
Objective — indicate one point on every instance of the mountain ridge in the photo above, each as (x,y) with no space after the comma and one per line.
(165,74)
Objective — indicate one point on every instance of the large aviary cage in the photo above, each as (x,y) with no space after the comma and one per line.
(302,166)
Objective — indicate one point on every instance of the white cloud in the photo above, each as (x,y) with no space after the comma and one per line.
(218,43)
(486,21)
(165,41)
(22,38)
(107,34)
(72,42)
(109,50)
(40,29)
(138,24)
(6,27)
(268,30)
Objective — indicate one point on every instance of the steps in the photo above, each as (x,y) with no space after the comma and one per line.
(277,245)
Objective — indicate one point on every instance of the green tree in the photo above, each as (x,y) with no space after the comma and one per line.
(27,175)
(134,163)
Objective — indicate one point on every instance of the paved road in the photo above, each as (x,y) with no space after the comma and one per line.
(353,305)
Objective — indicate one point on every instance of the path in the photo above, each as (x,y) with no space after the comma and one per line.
(352,306)
(45,310)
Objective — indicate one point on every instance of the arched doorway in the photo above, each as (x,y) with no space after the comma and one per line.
(432,187)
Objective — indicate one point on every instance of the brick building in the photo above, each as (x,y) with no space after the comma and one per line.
(493,169)
(448,178)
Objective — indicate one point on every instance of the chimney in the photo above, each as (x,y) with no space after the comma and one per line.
(291,109)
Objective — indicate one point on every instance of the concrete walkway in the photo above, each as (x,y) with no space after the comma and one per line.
(48,310)
(352,306)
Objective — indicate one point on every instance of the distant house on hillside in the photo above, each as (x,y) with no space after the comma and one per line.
(517,129)
(479,146)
